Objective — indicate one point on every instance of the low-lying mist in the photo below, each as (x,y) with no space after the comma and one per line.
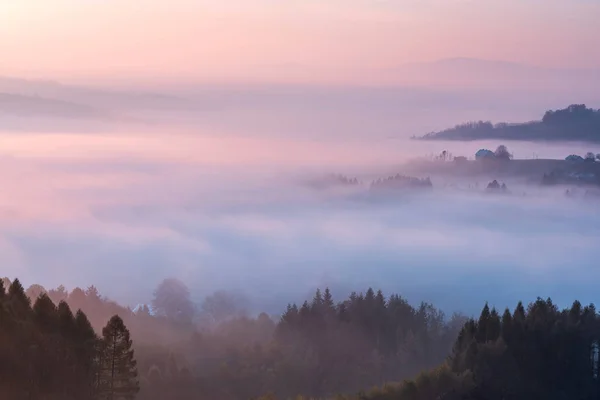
(240,214)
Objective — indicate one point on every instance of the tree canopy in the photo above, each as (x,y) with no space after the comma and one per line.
(172,300)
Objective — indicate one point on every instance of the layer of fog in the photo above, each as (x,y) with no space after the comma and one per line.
(233,212)
(121,187)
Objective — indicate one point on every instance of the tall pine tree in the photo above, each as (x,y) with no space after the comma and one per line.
(117,378)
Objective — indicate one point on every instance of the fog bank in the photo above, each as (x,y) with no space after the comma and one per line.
(235,213)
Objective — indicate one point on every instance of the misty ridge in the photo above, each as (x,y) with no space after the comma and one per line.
(573,123)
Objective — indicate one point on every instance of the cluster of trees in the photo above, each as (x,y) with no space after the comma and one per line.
(49,353)
(393,182)
(589,157)
(364,340)
(495,187)
(344,180)
(575,122)
(318,349)
(538,352)
(501,153)
(399,181)
(575,114)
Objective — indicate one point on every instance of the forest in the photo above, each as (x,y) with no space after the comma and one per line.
(367,346)
(573,123)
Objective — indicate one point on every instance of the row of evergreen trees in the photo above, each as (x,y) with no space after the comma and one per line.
(538,352)
(317,349)
(48,353)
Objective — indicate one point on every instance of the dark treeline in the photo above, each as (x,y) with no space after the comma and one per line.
(47,353)
(538,352)
(321,349)
(575,122)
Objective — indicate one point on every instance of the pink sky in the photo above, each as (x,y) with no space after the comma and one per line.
(284,40)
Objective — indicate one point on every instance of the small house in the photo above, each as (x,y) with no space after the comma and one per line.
(484,154)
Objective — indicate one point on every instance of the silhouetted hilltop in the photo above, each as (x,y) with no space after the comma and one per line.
(576,123)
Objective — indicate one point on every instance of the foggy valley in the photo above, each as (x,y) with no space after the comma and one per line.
(203,200)
(255,203)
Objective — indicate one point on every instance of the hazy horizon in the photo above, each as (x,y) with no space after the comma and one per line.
(338,41)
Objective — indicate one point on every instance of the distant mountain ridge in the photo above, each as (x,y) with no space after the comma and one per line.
(17,104)
(89,96)
(480,73)
(43,105)
(469,62)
